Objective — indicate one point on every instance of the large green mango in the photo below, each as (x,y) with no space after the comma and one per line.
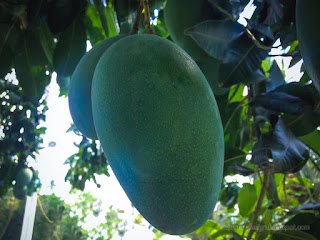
(80,88)
(160,127)
(307,20)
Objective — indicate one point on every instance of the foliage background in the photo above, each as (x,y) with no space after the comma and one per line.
(264,116)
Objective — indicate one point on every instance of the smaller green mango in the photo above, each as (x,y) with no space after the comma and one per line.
(80,88)
(24,176)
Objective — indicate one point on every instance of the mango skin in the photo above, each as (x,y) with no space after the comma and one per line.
(80,88)
(307,17)
(160,127)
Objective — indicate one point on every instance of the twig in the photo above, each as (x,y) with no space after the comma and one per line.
(255,41)
(259,203)
(280,55)
(235,157)
(45,216)
(43,213)
(251,36)
(136,23)
(147,16)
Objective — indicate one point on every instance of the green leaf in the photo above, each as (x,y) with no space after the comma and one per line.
(229,195)
(68,52)
(30,65)
(267,217)
(107,18)
(236,93)
(112,26)
(160,29)
(6,54)
(208,227)
(224,232)
(274,13)
(247,198)
(39,131)
(214,36)
(233,157)
(302,125)
(288,152)
(266,65)
(312,140)
(279,102)
(304,101)
(276,77)
(242,59)
(6,59)
(309,221)
(93,25)
(46,40)
(302,181)
(292,235)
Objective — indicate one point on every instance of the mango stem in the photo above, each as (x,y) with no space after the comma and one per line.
(136,23)
(147,16)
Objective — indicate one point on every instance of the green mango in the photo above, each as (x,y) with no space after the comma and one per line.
(79,96)
(20,192)
(24,176)
(159,125)
(180,15)
(307,18)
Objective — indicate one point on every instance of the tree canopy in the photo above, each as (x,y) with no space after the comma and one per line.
(271,124)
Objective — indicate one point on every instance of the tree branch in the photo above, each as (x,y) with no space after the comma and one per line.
(259,203)
(136,23)
(147,16)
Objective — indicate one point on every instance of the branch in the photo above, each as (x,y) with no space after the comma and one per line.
(43,213)
(100,8)
(259,203)
(136,23)
(235,157)
(251,36)
(256,42)
(280,55)
(46,217)
(147,16)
